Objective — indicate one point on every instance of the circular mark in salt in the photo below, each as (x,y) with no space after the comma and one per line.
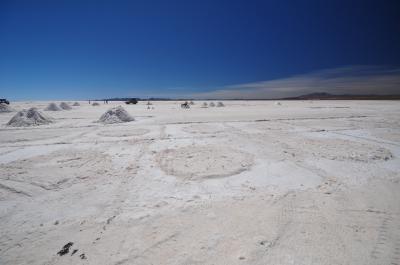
(202,162)
(123,133)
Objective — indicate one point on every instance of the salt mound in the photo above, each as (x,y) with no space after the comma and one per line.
(220,104)
(65,106)
(278,103)
(76,104)
(191,103)
(116,115)
(204,105)
(29,117)
(95,104)
(212,104)
(5,108)
(52,107)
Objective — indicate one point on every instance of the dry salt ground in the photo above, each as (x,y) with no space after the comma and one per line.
(116,115)
(123,132)
(5,108)
(211,162)
(53,107)
(254,183)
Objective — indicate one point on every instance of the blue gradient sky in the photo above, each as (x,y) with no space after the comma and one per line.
(94,49)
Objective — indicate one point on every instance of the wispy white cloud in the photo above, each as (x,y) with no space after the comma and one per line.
(344,80)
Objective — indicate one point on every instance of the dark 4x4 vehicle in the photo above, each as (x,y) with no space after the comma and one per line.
(131,101)
(3,100)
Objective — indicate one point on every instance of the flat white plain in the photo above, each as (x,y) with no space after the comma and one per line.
(300,182)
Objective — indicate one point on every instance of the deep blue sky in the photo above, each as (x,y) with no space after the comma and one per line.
(93,49)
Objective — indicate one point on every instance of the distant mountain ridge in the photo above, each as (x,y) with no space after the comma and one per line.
(326,96)
(311,96)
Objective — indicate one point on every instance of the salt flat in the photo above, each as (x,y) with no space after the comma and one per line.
(313,182)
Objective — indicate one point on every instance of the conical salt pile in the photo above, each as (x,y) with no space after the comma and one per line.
(95,104)
(212,104)
(5,108)
(76,104)
(205,105)
(116,115)
(65,106)
(30,117)
(220,104)
(52,107)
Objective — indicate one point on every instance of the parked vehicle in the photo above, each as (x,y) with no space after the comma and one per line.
(131,101)
(5,101)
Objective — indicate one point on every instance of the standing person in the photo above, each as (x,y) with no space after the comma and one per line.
(89,101)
